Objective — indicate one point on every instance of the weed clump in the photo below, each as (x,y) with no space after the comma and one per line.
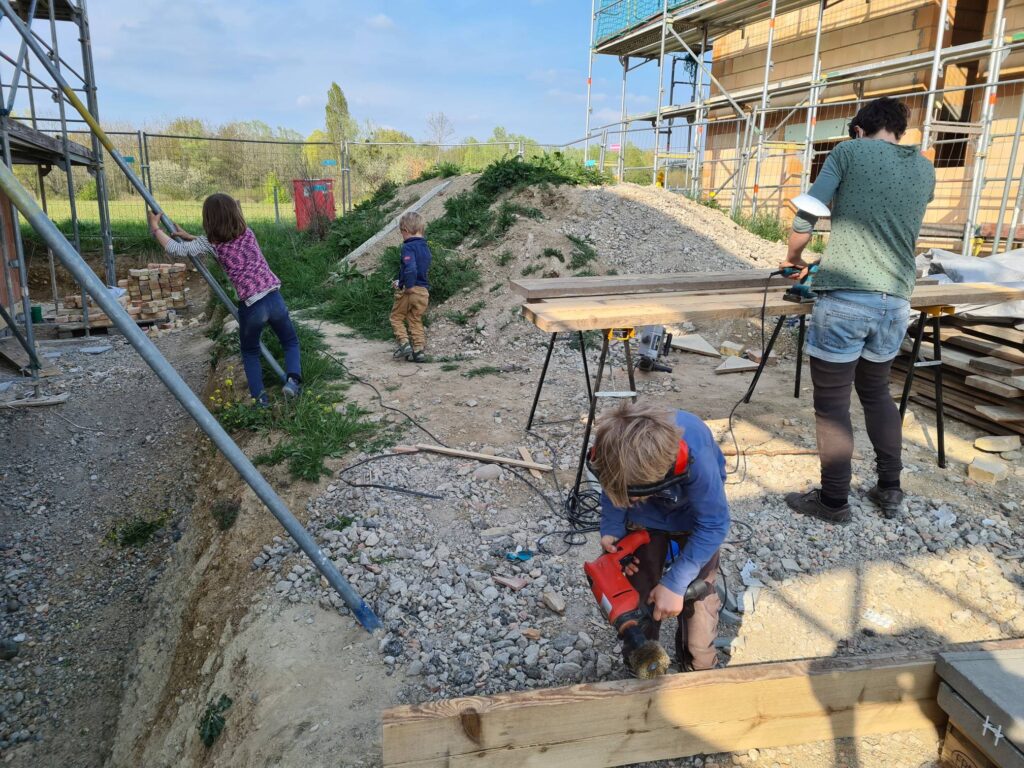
(225,512)
(138,530)
(212,723)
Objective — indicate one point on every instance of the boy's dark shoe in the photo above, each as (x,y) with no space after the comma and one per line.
(404,350)
(292,388)
(889,500)
(416,356)
(810,503)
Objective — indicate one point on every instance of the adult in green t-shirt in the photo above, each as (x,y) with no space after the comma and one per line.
(877,190)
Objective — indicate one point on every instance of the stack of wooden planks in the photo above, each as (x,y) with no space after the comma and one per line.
(982,375)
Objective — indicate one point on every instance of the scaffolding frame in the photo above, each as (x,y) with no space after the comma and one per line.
(698,24)
(22,144)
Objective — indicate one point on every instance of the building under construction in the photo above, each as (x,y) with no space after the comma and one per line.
(772,85)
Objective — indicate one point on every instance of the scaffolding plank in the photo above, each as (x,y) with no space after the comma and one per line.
(558,287)
(984,346)
(29,145)
(603,312)
(630,721)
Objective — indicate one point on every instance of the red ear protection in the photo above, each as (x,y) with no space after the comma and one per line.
(676,474)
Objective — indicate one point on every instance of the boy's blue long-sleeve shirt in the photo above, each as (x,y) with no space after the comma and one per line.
(415,265)
(697,505)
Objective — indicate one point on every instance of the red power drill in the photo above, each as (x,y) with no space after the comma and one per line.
(620,604)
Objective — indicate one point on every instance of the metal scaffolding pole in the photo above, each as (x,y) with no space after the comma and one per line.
(987,113)
(42,190)
(768,65)
(815,97)
(89,78)
(19,254)
(621,166)
(700,140)
(1017,209)
(1010,168)
(5,7)
(20,63)
(590,77)
(66,144)
(933,81)
(74,263)
(661,90)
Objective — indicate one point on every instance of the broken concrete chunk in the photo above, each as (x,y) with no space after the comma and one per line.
(553,601)
(731,349)
(985,469)
(696,344)
(755,356)
(96,350)
(736,365)
(997,443)
(487,472)
(515,583)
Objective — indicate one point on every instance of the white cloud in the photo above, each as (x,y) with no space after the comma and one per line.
(380,21)
(305,100)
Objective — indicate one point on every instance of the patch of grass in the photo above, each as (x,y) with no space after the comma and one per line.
(484,370)
(225,512)
(475,307)
(495,288)
(553,253)
(554,169)
(443,170)
(341,522)
(459,318)
(212,722)
(612,271)
(363,221)
(532,269)
(504,258)
(764,225)
(582,252)
(817,244)
(449,366)
(137,531)
(586,273)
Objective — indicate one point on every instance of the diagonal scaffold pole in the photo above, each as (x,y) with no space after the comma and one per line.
(100,134)
(75,264)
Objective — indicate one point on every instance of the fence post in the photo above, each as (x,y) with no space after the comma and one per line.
(277,210)
(604,148)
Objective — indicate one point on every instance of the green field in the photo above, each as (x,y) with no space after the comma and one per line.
(179,210)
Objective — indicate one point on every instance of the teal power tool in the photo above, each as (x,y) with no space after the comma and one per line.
(800,292)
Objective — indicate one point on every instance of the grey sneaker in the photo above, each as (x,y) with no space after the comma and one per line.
(810,504)
(416,357)
(404,350)
(292,388)
(889,500)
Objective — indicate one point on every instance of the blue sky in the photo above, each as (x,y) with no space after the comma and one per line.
(520,64)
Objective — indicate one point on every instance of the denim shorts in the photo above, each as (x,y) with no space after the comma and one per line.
(848,325)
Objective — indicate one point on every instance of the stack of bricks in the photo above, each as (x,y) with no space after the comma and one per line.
(155,289)
(72,311)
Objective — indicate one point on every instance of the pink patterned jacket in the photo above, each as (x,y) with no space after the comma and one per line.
(241,258)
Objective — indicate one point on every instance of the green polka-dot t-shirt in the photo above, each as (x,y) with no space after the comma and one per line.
(878,193)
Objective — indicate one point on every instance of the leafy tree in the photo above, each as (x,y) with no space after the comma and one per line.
(340,125)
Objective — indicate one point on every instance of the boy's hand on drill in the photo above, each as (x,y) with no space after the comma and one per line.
(608,544)
(666,603)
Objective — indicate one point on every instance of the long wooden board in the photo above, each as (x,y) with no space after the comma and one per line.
(484,457)
(558,287)
(630,721)
(972,343)
(537,289)
(600,312)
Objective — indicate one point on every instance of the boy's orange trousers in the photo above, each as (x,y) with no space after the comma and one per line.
(410,308)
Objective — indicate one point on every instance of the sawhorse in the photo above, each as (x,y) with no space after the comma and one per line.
(935,315)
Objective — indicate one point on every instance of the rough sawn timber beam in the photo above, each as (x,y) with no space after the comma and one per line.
(556,287)
(622,311)
(392,225)
(630,721)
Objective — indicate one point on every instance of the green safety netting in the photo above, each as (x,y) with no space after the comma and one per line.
(615,16)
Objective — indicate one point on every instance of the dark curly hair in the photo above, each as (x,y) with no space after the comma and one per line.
(881,113)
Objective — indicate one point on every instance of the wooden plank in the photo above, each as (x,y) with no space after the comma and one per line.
(962,362)
(1001,413)
(997,366)
(602,312)
(484,457)
(993,386)
(525,453)
(984,346)
(558,287)
(1003,333)
(630,721)
(15,354)
(33,402)
(392,225)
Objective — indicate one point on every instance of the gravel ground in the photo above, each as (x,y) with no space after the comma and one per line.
(71,601)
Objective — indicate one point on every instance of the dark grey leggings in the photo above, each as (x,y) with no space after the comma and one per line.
(832,385)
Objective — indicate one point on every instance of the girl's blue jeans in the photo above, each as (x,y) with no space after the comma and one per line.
(270,310)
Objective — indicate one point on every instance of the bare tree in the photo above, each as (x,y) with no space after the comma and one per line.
(440,129)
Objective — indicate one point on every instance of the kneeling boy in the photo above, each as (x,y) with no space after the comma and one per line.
(643,445)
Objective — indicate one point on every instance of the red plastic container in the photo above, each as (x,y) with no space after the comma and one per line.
(314,200)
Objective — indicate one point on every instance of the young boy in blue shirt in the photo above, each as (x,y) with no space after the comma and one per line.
(412,289)
(644,445)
